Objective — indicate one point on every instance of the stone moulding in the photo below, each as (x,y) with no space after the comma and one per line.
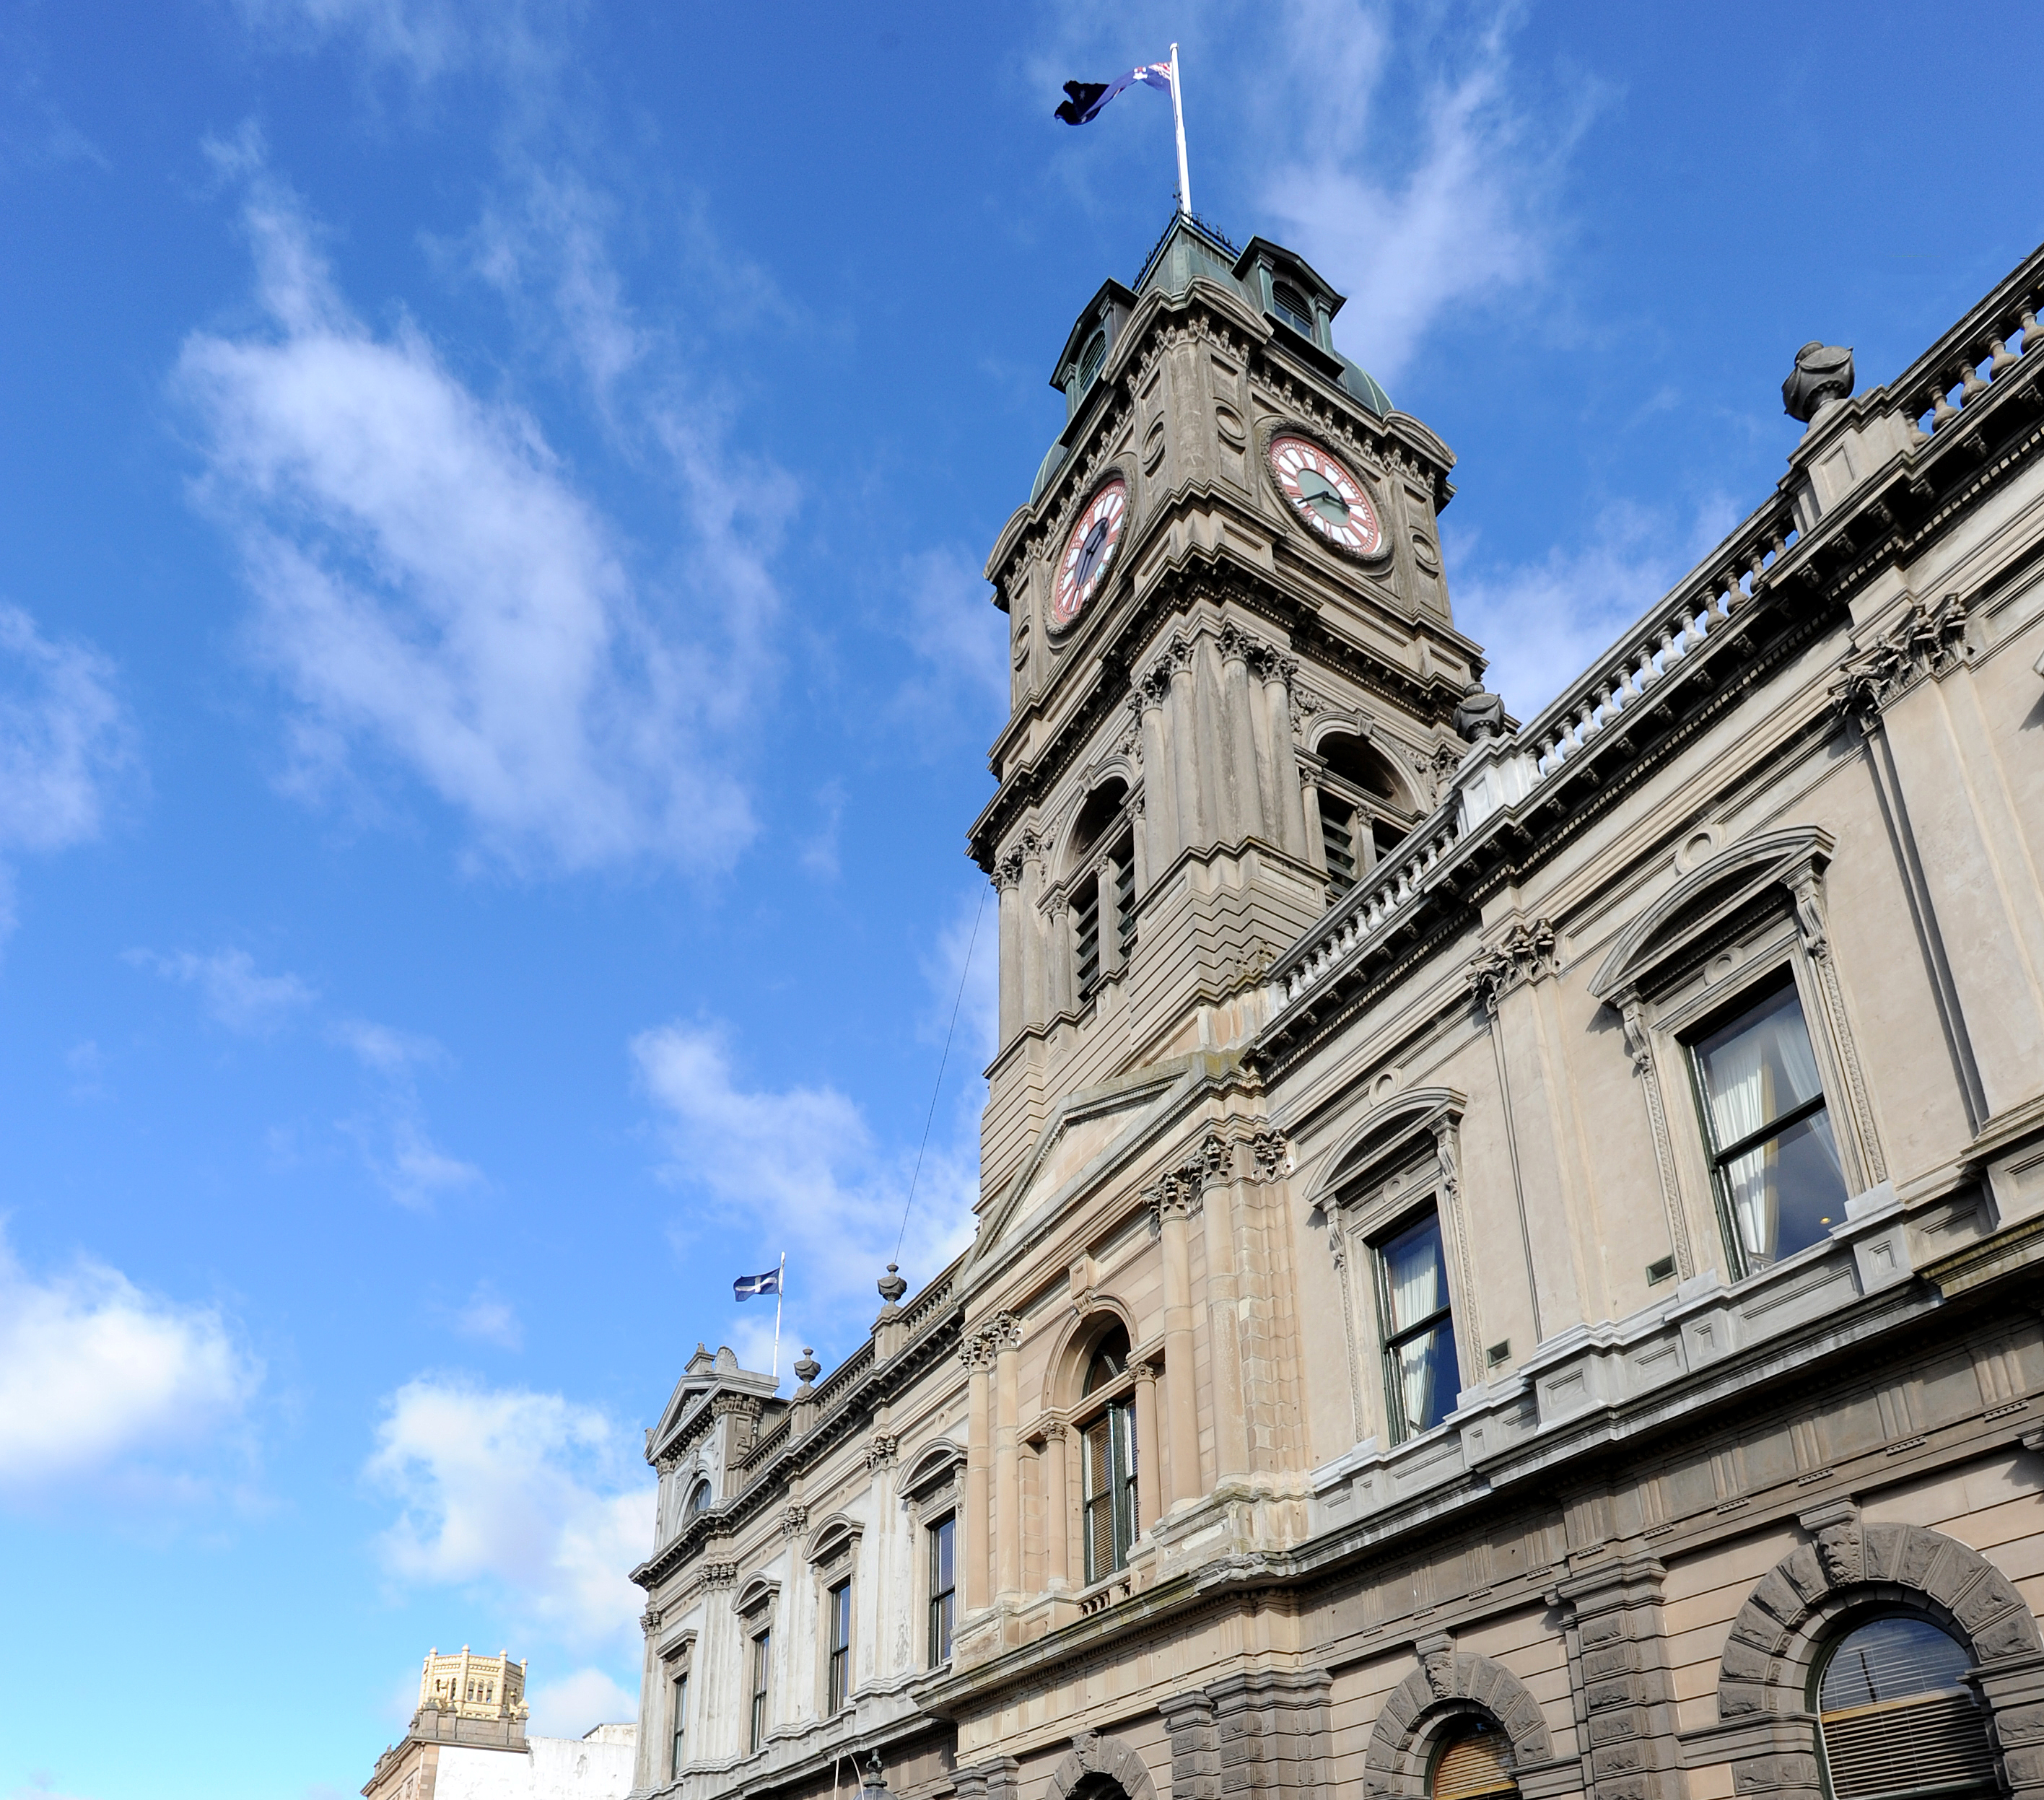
(1093,1754)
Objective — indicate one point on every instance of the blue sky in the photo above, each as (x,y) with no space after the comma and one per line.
(494,676)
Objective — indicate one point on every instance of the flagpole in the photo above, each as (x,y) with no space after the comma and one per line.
(1178,113)
(780,1281)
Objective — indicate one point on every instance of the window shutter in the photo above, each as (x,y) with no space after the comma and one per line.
(1479,1763)
(1915,1746)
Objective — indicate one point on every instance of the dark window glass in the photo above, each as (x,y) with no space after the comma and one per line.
(1896,1716)
(1338,841)
(1122,865)
(1090,360)
(840,1646)
(943,1588)
(761,1660)
(1085,929)
(1108,1456)
(1420,1368)
(678,1753)
(698,1499)
(1109,1361)
(1777,1162)
(1290,305)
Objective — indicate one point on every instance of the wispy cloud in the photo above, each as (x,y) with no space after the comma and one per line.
(98,1377)
(958,688)
(534,1502)
(578,1702)
(489,1318)
(1542,621)
(66,744)
(435,595)
(396,1147)
(234,992)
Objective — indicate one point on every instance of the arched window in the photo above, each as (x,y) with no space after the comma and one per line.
(1897,1717)
(1292,307)
(1102,894)
(1363,812)
(699,1499)
(1475,1758)
(1107,1459)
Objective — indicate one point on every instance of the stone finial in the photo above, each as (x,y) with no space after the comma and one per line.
(891,1286)
(1479,715)
(1823,373)
(807,1369)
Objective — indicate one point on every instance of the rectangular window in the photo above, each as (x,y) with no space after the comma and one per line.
(1123,863)
(678,1752)
(762,1645)
(1108,1453)
(1421,1370)
(1773,1155)
(840,1646)
(1085,933)
(943,1589)
(1338,841)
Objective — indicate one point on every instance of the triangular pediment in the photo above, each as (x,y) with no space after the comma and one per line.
(1090,1133)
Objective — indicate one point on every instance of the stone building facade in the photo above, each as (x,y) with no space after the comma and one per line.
(1509,1252)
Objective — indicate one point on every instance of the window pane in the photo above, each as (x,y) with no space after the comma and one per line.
(943,1541)
(1428,1376)
(1415,1278)
(1757,1068)
(1890,1659)
(1788,1192)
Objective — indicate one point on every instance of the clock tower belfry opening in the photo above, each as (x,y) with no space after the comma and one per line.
(1235,668)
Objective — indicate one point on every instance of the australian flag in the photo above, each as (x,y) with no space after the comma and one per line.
(1086,98)
(746,1286)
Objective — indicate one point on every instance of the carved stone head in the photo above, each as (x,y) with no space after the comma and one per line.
(1823,373)
(1838,1552)
(1440,1668)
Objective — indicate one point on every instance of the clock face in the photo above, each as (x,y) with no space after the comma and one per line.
(1088,553)
(1326,496)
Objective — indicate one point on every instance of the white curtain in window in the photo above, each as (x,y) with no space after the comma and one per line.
(1736,1076)
(1416,1282)
(1416,1379)
(1800,1062)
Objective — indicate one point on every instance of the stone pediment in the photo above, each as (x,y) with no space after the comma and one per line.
(1090,1133)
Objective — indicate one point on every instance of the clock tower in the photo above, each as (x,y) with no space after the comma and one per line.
(1233,671)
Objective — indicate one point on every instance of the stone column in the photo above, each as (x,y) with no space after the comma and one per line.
(1160,827)
(1149,1465)
(1007,1457)
(1060,997)
(1224,1331)
(1291,817)
(1006,883)
(1223,821)
(1057,1511)
(1176,1204)
(1035,996)
(1243,779)
(977,1516)
(1618,1667)
(1182,717)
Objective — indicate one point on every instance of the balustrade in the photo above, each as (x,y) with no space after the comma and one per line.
(1989,351)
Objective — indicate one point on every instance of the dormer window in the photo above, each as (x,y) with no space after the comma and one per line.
(1091,358)
(1292,307)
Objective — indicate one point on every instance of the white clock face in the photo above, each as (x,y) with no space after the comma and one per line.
(1089,554)
(1324,494)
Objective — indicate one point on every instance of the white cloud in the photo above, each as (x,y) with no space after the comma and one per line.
(433,592)
(800,1168)
(65,740)
(99,1379)
(423,39)
(232,989)
(529,1499)
(396,1147)
(490,1318)
(1416,177)
(946,614)
(1543,623)
(386,1049)
(572,1706)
